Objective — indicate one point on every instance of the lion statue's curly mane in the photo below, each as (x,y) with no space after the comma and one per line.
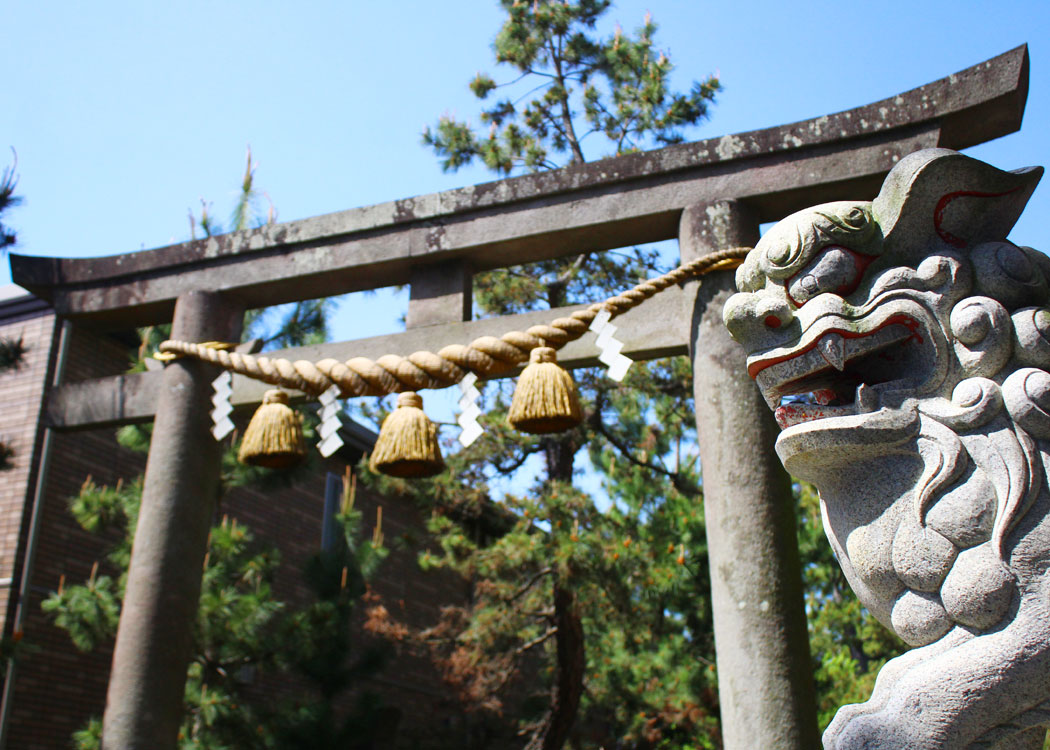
(904,345)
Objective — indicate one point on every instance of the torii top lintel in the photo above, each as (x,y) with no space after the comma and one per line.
(600,205)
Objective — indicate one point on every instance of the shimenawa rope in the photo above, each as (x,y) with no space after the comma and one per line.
(485,356)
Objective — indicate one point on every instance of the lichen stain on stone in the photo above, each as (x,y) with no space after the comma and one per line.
(729,147)
(716,214)
(212,249)
(436,238)
(504,192)
(677,161)
(404,210)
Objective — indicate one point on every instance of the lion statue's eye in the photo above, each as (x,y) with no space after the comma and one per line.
(834,269)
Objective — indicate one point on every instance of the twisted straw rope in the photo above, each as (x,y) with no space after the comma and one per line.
(485,356)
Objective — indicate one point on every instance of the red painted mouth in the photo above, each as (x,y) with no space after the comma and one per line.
(839,372)
(907,321)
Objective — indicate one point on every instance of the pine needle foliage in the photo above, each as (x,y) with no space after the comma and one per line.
(576,84)
(242,630)
(8,199)
(11,352)
(247,211)
(11,349)
(300,323)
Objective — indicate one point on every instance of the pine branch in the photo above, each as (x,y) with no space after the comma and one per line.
(676,478)
(530,583)
(8,199)
(11,353)
(551,632)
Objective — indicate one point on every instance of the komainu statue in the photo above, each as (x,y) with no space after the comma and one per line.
(904,346)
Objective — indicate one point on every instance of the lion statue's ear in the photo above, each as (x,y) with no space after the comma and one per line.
(940,199)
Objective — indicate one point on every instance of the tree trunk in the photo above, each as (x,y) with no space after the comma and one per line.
(568,686)
(560,452)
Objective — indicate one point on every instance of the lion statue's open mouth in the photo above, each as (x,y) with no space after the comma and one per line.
(903,345)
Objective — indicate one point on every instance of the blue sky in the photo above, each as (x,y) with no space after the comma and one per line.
(125,114)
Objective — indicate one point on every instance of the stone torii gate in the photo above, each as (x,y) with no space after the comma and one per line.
(709,195)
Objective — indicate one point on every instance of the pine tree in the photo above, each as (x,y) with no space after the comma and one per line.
(617,87)
(610,606)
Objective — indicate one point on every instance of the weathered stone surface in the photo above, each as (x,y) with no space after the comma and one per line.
(979,589)
(439,294)
(922,557)
(965,513)
(919,618)
(910,340)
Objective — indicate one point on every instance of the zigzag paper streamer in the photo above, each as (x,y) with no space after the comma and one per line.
(468,418)
(330,423)
(610,347)
(220,415)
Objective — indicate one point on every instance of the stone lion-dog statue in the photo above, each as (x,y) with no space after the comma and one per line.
(904,345)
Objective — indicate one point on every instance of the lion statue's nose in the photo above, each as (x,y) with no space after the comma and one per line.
(758,319)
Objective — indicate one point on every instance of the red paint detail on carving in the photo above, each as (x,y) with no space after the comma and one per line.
(908,322)
(861,261)
(942,206)
(772,321)
(824,396)
(790,415)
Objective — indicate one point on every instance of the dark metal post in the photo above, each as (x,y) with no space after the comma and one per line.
(765,681)
(144,702)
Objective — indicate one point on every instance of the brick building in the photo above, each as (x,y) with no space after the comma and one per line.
(52,688)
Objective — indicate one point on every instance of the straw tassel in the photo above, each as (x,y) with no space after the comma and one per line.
(274,437)
(407,444)
(545,399)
